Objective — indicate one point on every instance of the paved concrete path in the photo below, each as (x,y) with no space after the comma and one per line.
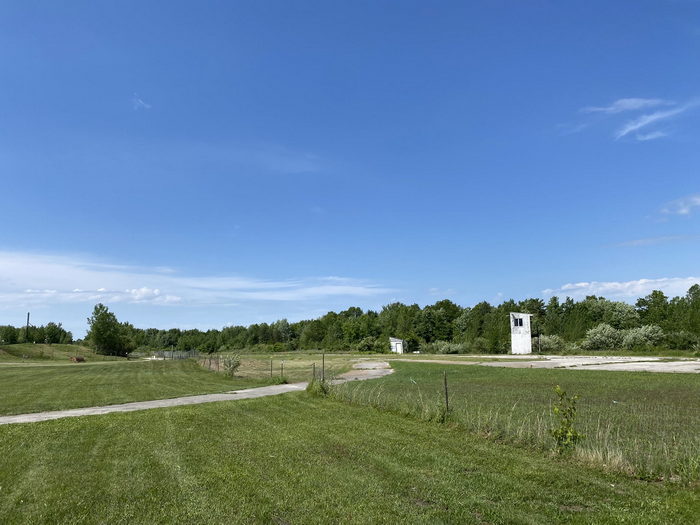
(630,364)
(363,370)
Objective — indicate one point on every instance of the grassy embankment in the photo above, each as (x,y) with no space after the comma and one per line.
(297,459)
(644,424)
(38,386)
(25,352)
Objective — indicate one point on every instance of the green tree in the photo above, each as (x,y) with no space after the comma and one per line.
(653,309)
(534,306)
(53,333)
(9,335)
(105,333)
(693,309)
(553,323)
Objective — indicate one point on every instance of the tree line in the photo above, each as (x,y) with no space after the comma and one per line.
(51,333)
(593,323)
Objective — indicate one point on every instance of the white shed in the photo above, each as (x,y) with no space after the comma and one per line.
(520,333)
(398,346)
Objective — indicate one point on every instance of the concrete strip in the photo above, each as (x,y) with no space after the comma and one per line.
(678,367)
(369,371)
(620,363)
(442,361)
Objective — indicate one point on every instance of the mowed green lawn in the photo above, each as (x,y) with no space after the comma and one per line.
(298,459)
(35,387)
(645,424)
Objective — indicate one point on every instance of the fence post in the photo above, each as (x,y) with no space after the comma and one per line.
(282,369)
(447,397)
(313,368)
(270,368)
(323,366)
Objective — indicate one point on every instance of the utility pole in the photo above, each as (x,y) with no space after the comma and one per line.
(26,330)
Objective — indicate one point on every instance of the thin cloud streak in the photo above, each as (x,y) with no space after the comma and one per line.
(646,120)
(627,104)
(683,206)
(637,124)
(651,241)
(39,279)
(138,103)
(651,136)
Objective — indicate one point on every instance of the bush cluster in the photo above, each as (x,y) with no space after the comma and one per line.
(445,347)
(371,344)
(478,346)
(319,387)
(549,343)
(645,337)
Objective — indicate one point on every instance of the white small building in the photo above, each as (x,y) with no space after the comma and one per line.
(398,346)
(520,333)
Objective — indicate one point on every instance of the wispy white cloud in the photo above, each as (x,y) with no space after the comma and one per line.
(40,279)
(650,241)
(138,103)
(671,286)
(627,104)
(634,118)
(683,206)
(442,292)
(651,136)
(646,120)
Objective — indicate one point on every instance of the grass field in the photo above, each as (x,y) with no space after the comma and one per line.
(298,459)
(297,366)
(39,386)
(641,423)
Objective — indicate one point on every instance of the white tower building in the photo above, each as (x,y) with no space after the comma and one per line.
(520,334)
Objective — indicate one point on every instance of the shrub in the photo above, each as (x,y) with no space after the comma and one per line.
(365,345)
(565,435)
(602,337)
(479,345)
(572,348)
(549,343)
(444,347)
(319,387)
(681,340)
(231,365)
(452,348)
(377,345)
(643,337)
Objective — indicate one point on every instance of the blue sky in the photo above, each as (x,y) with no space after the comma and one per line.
(198,164)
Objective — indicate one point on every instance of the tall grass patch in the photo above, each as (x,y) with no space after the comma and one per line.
(644,424)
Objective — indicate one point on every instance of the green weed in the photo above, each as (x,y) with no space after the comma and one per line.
(566,437)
